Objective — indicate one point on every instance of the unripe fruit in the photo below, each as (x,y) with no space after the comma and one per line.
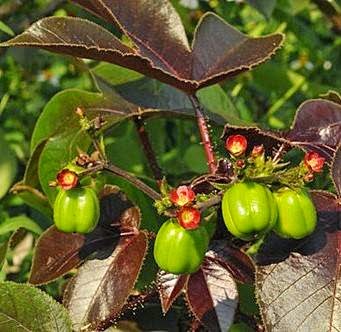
(297,215)
(180,251)
(249,209)
(76,210)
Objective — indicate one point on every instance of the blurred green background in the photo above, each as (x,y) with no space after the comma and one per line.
(307,66)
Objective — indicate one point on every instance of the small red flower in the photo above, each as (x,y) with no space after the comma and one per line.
(313,161)
(182,195)
(189,217)
(67,179)
(236,144)
(257,150)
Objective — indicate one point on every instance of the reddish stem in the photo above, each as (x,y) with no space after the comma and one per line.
(148,150)
(204,133)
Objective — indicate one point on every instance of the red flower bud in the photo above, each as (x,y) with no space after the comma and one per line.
(189,217)
(308,177)
(67,179)
(236,144)
(240,163)
(182,195)
(257,150)
(313,161)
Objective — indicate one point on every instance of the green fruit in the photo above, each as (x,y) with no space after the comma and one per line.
(76,210)
(249,209)
(297,215)
(178,250)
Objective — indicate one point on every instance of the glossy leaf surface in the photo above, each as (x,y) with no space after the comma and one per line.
(162,50)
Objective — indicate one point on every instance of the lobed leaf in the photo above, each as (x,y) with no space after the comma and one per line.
(317,126)
(170,286)
(239,264)
(25,308)
(96,295)
(299,282)
(161,48)
(57,253)
(212,296)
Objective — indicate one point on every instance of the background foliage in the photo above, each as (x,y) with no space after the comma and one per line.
(307,66)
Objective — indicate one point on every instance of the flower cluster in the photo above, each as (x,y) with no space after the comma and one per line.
(188,216)
(256,165)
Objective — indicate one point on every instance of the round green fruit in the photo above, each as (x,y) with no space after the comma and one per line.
(178,250)
(297,215)
(249,209)
(76,210)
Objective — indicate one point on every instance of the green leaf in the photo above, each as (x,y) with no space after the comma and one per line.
(8,166)
(265,7)
(25,308)
(149,93)
(12,224)
(59,126)
(3,252)
(5,28)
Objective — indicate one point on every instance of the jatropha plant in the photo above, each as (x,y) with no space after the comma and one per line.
(250,219)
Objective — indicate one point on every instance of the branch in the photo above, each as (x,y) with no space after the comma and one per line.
(148,150)
(202,206)
(133,180)
(332,11)
(204,133)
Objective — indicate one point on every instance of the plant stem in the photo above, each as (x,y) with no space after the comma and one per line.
(254,248)
(204,133)
(209,203)
(133,180)
(148,150)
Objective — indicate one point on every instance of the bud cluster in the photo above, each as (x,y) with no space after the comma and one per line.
(255,165)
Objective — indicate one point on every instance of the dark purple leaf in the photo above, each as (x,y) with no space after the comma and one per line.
(336,170)
(332,96)
(162,49)
(212,296)
(57,253)
(233,260)
(96,295)
(154,27)
(301,290)
(220,51)
(317,127)
(170,286)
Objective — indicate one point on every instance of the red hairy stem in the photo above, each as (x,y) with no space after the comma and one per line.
(148,150)
(204,133)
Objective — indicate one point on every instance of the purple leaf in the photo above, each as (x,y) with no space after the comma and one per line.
(57,253)
(239,265)
(170,287)
(301,292)
(158,33)
(317,127)
(212,296)
(161,48)
(96,295)
(221,51)
(336,170)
